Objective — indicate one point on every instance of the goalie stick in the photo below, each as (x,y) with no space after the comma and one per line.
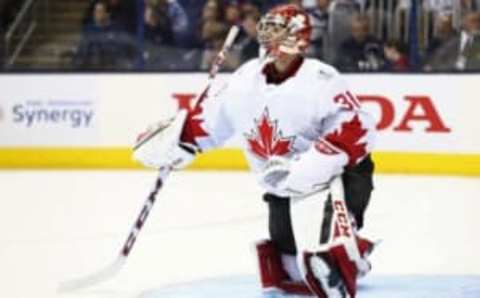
(111,270)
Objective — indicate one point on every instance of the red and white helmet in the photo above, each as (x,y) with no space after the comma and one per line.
(285,29)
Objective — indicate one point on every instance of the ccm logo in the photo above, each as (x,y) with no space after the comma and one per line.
(342,222)
(420,108)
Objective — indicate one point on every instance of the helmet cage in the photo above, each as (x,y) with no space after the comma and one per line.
(287,32)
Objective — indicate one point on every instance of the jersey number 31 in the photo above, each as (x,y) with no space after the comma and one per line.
(347,101)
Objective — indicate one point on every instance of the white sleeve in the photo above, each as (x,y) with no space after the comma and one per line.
(347,134)
(209,125)
(347,126)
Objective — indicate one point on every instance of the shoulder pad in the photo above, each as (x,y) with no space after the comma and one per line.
(248,66)
(324,71)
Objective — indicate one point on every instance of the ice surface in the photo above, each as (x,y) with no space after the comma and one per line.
(57,225)
(375,286)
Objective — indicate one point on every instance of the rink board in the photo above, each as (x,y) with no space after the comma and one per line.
(413,286)
(225,159)
(427,124)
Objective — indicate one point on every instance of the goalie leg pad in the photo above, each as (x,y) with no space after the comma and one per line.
(331,273)
(323,276)
(272,273)
(332,256)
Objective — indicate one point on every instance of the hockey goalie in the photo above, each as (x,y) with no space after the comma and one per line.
(303,131)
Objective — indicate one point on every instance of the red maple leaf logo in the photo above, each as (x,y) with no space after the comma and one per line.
(266,140)
(346,138)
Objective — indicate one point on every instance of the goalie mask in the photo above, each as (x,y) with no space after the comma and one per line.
(286,29)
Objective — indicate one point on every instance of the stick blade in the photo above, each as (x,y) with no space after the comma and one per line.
(92,279)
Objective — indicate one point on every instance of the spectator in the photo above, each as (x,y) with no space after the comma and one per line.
(101,21)
(319,17)
(164,50)
(271,3)
(193,9)
(361,51)
(358,4)
(213,11)
(457,8)
(214,34)
(470,5)
(210,31)
(248,45)
(439,7)
(395,56)
(462,8)
(233,13)
(211,22)
(461,52)
(298,3)
(124,13)
(180,21)
(469,43)
(103,44)
(339,27)
(309,4)
(158,30)
(170,11)
(251,7)
(444,32)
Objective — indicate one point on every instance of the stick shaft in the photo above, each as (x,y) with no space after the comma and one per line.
(221,56)
(115,267)
(148,205)
(142,217)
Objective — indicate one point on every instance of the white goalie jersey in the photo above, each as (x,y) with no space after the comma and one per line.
(311,118)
